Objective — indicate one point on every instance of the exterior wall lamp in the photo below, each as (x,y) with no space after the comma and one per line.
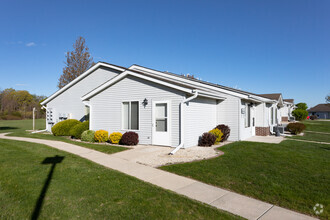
(145,102)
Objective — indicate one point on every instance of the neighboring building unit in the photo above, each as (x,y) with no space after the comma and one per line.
(163,108)
(322,111)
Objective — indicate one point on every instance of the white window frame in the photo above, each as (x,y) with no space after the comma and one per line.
(129,121)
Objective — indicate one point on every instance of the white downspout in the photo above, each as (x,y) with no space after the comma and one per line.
(42,107)
(181,121)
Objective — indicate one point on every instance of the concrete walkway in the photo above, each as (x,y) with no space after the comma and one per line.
(317,132)
(302,140)
(266,139)
(222,199)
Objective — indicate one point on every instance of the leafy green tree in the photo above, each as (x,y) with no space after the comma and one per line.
(302,106)
(300,114)
(77,62)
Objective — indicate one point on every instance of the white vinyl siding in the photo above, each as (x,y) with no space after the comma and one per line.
(200,115)
(69,102)
(106,107)
(228,113)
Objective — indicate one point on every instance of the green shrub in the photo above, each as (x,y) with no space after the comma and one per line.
(78,129)
(300,114)
(218,134)
(296,128)
(88,136)
(115,137)
(101,136)
(207,139)
(63,128)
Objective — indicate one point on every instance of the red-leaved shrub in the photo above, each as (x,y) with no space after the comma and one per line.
(207,139)
(129,138)
(296,128)
(313,117)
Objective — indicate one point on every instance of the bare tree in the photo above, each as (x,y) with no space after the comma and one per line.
(327,98)
(77,61)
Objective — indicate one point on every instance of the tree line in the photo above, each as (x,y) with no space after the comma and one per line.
(18,104)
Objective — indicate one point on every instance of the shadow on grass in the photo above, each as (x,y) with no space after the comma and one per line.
(8,128)
(48,160)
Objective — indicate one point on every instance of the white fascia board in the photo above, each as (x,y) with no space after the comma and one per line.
(83,75)
(124,74)
(261,99)
(189,82)
(205,95)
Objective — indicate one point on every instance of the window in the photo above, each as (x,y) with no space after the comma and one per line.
(247,115)
(130,115)
(276,116)
(272,115)
(87,112)
(161,117)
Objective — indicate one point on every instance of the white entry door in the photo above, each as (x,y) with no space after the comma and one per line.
(161,121)
(253,121)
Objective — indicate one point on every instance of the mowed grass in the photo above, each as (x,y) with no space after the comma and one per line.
(79,188)
(314,137)
(292,174)
(312,129)
(19,127)
(317,125)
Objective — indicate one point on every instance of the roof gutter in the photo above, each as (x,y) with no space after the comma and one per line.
(195,92)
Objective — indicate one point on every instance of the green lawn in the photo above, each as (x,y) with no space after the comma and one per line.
(19,127)
(79,188)
(314,137)
(316,126)
(292,174)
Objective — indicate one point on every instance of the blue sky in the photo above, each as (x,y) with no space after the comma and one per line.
(257,46)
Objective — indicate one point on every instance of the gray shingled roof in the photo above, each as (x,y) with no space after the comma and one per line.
(274,96)
(320,108)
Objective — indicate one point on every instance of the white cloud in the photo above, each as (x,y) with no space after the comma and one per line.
(31,44)
(21,84)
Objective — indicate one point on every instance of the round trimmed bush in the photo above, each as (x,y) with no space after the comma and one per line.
(225,130)
(296,128)
(129,138)
(115,137)
(78,129)
(207,139)
(88,136)
(218,134)
(313,117)
(63,128)
(101,136)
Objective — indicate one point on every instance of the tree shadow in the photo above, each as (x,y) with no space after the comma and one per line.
(7,128)
(48,160)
